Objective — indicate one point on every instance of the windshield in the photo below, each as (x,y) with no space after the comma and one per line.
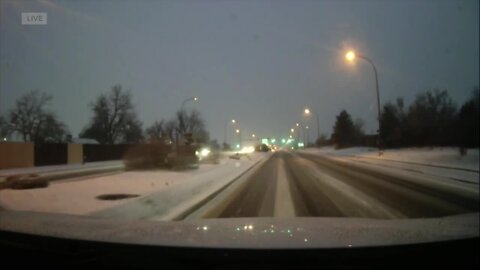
(262,116)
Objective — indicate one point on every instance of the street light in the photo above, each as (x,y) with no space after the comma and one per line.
(298,133)
(239,138)
(307,134)
(182,125)
(350,56)
(253,135)
(307,112)
(187,100)
(225,130)
(292,130)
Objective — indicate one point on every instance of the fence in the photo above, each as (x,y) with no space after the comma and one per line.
(50,154)
(103,152)
(22,155)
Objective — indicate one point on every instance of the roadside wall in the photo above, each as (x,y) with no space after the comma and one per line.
(16,155)
(103,152)
(50,154)
(24,155)
(75,153)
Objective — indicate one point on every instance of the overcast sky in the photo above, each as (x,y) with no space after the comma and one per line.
(259,62)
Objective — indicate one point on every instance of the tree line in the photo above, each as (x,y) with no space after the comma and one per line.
(432,119)
(114,120)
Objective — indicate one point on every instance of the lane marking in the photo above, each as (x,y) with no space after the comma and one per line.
(283,198)
(215,203)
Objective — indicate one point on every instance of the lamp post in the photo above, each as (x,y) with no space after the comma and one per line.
(305,135)
(225,130)
(239,137)
(307,111)
(299,128)
(182,124)
(187,100)
(350,56)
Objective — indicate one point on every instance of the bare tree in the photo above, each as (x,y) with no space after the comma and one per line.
(192,123)
(4,127)
(171,129)
(33,122)
(156,131)
(133,132)
(114,119)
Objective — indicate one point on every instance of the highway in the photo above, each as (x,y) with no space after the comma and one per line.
(290,184)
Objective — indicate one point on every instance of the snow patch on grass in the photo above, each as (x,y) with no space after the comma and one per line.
(436,156)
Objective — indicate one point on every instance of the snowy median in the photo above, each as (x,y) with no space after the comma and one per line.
(150,194)
(448,157)
(440,164)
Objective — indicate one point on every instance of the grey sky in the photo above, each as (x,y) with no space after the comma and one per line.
(260,62)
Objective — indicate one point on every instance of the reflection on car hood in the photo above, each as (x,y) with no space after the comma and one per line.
(247,232)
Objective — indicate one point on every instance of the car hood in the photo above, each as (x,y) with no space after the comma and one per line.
(256,233)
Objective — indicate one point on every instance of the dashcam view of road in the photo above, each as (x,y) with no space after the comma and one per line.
(281,183)
(290,184)
(228,118)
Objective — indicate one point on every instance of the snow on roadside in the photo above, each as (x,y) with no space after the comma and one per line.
(169,204)
(62,168)
(440,156)
(79,197)
(438,163)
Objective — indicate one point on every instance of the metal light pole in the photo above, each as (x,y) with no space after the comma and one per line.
(308,134)
(239,137)
(305,135)
(307,111)
(182,109)
(350,56)
(299,128)
(225,130)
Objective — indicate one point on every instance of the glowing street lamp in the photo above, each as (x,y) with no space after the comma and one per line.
(187,100)
(292,130)
(351,56)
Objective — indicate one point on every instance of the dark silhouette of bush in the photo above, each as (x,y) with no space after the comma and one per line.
(147,156)
(25,181)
